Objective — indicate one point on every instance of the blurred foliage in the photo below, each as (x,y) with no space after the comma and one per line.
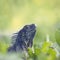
(47,54)
(4,44)
(57,36)
(3,47)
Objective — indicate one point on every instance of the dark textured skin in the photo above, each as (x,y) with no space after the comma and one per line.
(24,38)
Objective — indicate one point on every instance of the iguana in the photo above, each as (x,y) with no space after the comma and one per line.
(24,38)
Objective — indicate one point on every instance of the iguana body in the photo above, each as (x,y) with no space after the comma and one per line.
(24,38)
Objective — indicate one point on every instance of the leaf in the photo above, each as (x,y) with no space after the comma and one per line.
(45,47)
(37,51)
(52,54)
(3,47)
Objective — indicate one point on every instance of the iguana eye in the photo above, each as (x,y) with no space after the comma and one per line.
(27,27)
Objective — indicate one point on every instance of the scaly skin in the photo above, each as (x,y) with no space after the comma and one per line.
(24,38)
